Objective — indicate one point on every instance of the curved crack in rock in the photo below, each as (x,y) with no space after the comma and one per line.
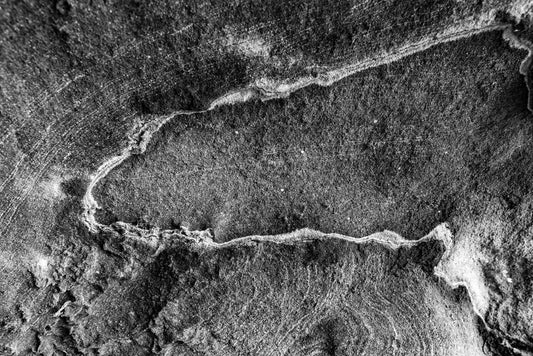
(267,90)
(485,17)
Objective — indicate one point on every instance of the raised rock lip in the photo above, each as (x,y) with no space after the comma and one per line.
(266,90)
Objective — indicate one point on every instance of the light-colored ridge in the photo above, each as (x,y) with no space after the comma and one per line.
(266,89)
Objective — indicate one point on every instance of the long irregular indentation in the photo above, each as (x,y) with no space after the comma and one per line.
(386,238)
(267,89)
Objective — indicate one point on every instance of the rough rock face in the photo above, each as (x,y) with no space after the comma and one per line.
(297,294)
(117,138)
(306,297)
(398,147)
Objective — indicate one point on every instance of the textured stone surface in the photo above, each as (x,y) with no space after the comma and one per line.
(303,293)
(397,147)
(102,102)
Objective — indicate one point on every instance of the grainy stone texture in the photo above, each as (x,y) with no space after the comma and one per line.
(103,102)
(307,293)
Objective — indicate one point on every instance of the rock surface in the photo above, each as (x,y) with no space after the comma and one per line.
(117,139)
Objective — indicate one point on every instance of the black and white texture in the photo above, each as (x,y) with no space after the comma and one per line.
(265,177)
